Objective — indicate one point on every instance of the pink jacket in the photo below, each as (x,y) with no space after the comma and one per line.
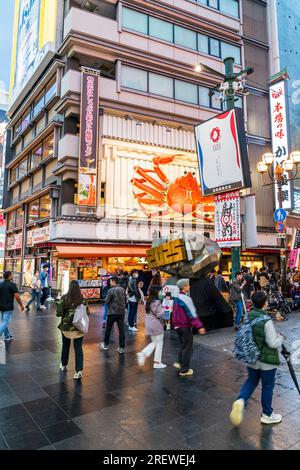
(184,313)
(153,325)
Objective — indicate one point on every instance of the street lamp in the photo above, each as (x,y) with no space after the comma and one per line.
(284,171)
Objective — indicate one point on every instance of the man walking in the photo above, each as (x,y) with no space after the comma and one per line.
(220,282)
(8,292)
(44,285)
(236,296)
(116,303)
(133,299)
(249,281)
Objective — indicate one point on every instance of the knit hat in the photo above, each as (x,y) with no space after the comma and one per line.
(182,282)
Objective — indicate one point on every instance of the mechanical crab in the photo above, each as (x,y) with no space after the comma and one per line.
(183,195)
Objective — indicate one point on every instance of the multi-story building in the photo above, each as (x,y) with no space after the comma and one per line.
(150,99)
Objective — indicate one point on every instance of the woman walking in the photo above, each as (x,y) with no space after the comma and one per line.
(155,329)
(36,292)
(155,282)
(66,307)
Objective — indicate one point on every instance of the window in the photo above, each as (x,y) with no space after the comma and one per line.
(202,43)
(228,50)
(204,99)
(134,78)
(203,2)
(215,101)
(214,47)
(25,122)
(160,85)
(231,7)
(185,37)
(48,147)
(33,211)
(160,29)
(186,92)
(213,4)
(22,171)
(17,129)
(13,175)
(36,157)
(38,104)
(19,217)
(45,206)
(50,92)
(238,102)
(11,220)
(134,20)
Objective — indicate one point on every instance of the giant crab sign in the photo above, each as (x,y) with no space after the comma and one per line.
(160,196)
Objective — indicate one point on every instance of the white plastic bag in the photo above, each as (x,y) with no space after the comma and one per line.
(81,319)
(2,352)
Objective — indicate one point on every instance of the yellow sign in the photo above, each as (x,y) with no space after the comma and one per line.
(170,252)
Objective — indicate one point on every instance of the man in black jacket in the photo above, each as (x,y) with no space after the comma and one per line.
(133,299)
(116,306)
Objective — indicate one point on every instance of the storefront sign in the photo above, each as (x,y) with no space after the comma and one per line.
(170,252)
(296,243)
(293,261)
(29,238)
(87,264)
(88,144)
(227,219)
(222,153)
(40,235)
(280,142)
(14,242)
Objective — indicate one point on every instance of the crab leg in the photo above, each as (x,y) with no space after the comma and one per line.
(200,216)
(136,182)
(140,171)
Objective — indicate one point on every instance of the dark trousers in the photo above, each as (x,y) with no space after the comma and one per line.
(111,319)
(186,348)
(257,286)
(132,313)
(45,291)
(78,352)
(267,378)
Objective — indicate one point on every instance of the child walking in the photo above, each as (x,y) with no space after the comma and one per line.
(168,308)
(155,329)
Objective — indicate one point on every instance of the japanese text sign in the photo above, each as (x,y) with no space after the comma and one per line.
(227,219)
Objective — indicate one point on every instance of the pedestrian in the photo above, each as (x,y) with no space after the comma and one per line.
(168,303)
(8,293)
(247,289)
(236,296)
(140,287)
(264,279)
(116,308)
(269,343)
(295,294)
(44,285)
(296,275)
(155,329)
(220,282)
(66,307)
(184,318)
(36,292)
(155,282)
(105,292)
(256,282)
(124,280)
(133,298)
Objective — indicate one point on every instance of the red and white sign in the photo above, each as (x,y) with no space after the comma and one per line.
(40,235)
(14,242)
(293,261)
(280,143)
(227,219)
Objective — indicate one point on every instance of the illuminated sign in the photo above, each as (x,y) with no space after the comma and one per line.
(227,219)
(170,252)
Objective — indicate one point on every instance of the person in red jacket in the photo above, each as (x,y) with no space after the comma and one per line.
(184,318)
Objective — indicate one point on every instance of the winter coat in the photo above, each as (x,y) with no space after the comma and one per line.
(116,301)
(236,291)
(153,319)
(220,283)
(184,313)
(66,312)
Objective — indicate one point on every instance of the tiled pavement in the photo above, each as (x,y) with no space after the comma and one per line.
(119,406)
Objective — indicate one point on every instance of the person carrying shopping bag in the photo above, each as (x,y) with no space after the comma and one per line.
(66,308)
(155,329)
(36,292)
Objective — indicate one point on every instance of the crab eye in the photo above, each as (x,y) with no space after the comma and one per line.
(185,173)
(194,174)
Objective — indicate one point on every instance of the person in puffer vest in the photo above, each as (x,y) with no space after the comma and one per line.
(269,343)
(184,318)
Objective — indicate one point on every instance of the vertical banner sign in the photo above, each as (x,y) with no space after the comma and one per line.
(88,142)
(280,143)
(227,219)
(293,261)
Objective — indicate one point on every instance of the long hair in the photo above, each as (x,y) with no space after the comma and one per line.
(156,280)
(153,295)
(73,296)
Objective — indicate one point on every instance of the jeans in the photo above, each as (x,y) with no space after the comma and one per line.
(267,380)
(6,318)
(157,342)
(35,295)
(119,319)
(132,313)
(78,352)
(105,313)
(186,348)
(239,311)
(45,292)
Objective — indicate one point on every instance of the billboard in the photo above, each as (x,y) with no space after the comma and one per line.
(227,219)
(34,36)
(222,153)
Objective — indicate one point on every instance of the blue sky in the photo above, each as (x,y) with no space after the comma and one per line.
(6,30)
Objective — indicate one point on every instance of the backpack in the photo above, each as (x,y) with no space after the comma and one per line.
(81,319)
(245,347)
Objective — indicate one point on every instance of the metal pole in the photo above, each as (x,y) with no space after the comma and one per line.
(282,240)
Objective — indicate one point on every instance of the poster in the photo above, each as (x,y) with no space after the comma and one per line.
(293,261)
(29,265)
(227,219)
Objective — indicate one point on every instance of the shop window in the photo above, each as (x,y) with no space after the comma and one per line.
(203,43)
(11,220)
(160,29)
(48,147)
(45,206)
(231,7)
(134,78)
(22,170)
(160,85)
(204,97)
(185,37)
(36,157)
(19,217)
(186,92)
(33,211)
(38,104)
(50,92)
(135,20)
(228,50)
(214,47)
(13,175)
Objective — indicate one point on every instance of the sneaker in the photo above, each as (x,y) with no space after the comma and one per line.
(141,359)
(134,328)
(104,347)
(43,307)
(63,368)
(159,365)
(168,326)
(121,350)
(78,375)
(27,309)
(9,338)
(273,419)
(186,374)
(177,365)
(236,415)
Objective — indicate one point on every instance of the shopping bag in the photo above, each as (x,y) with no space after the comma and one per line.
(81,319)
(2,352)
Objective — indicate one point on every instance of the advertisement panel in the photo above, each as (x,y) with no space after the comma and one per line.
(34,37)
(222,153)
(88,142)
(40,235)
(14,242)
(29,265)
(280,141)
(227,220)
(293,261)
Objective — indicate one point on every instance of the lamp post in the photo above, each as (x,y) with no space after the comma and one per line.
(283,172)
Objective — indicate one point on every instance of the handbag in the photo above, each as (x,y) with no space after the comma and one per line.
(81,319)
(2,352)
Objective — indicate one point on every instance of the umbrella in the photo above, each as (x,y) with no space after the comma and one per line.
(287,355)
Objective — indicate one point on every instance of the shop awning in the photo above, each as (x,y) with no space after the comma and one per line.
(87,251)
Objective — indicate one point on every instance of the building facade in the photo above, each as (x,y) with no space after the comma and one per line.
(150,100)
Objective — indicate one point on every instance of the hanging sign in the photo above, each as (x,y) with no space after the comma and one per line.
(227,219)
(293,261)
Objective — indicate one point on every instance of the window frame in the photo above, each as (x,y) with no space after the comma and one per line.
(40,199)
(28,215)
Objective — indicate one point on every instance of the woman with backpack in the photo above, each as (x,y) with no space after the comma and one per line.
(66,308)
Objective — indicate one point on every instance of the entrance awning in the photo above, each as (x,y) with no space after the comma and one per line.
(87,251)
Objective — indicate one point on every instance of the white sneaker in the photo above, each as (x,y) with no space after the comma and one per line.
(273,419)
(177,365)
(78,375)
(159,365)
(63,368)
(141,359)
(132,328)
(237,412)
(43,307)
(105,348)
(121,350)
(168,326)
